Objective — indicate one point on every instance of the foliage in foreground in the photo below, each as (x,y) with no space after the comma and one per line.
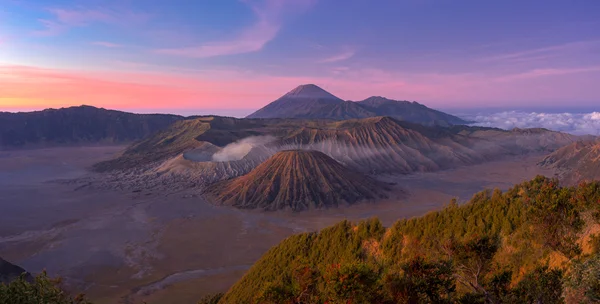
(211,299)
(520,246)
(42,290)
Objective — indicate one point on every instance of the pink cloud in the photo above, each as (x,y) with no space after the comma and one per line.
(545,52)
(51,28)
(106,44)
(79,17)
(254,38)
(345,55)
(548,72)
(250,40)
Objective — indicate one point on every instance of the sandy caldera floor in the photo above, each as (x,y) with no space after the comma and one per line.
(124,247)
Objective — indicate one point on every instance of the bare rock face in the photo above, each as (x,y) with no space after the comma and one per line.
(579,161)
(194,153)
(310,91)
(296,180)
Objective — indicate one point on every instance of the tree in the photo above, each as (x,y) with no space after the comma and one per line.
(585,279)
(300,287)
(211,299)
(472,261)
(43,289)
(420,282)
(351,283)
(499,286)
(543,285)
(277,293)
(554,212)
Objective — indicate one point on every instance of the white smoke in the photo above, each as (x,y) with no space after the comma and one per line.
(574,123)
(237,150)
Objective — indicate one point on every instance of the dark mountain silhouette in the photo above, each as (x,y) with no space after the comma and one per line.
(77,125)
(297,180)
(311,102)
(9,272)
(409,111)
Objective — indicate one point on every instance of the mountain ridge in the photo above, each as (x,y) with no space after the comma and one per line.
(9,272)
(310,91)
(78,125)
(312,102)
(576,162)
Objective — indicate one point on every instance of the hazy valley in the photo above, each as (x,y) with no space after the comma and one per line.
(299,152)
(186,211)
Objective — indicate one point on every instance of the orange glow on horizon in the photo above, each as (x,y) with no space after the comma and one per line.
(31,87)
(39,88)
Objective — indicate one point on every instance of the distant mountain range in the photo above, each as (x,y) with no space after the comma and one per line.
(78,125)
(312,102)
(91,125)
(375,144)
(182,156)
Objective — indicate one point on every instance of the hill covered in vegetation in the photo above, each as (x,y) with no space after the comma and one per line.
(77,125)
(535,243)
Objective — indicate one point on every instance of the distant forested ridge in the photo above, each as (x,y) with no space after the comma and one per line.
(78,125)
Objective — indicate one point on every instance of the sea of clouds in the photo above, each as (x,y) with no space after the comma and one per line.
(574,123)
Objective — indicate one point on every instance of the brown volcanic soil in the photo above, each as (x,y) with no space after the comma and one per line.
(297,180)
(576,162)
(175,159)
(158,246)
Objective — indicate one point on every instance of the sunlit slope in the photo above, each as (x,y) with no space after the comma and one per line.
(576,162)
(506,247)
(296,180)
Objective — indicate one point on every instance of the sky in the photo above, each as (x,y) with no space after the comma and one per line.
(231,57)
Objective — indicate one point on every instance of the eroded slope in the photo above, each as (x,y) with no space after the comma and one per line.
(297,180)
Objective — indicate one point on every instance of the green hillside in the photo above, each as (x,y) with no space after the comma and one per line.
(520,246)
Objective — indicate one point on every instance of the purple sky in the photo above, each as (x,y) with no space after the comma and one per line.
(231,57)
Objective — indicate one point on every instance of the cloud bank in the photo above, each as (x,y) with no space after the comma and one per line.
(574,123)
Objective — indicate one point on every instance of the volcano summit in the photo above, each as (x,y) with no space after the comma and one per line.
(298,180)
(309,101)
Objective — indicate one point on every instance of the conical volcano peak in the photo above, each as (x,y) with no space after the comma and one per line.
(296,180)
(309,91)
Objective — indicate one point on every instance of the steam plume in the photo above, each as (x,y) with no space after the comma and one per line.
(239,149)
